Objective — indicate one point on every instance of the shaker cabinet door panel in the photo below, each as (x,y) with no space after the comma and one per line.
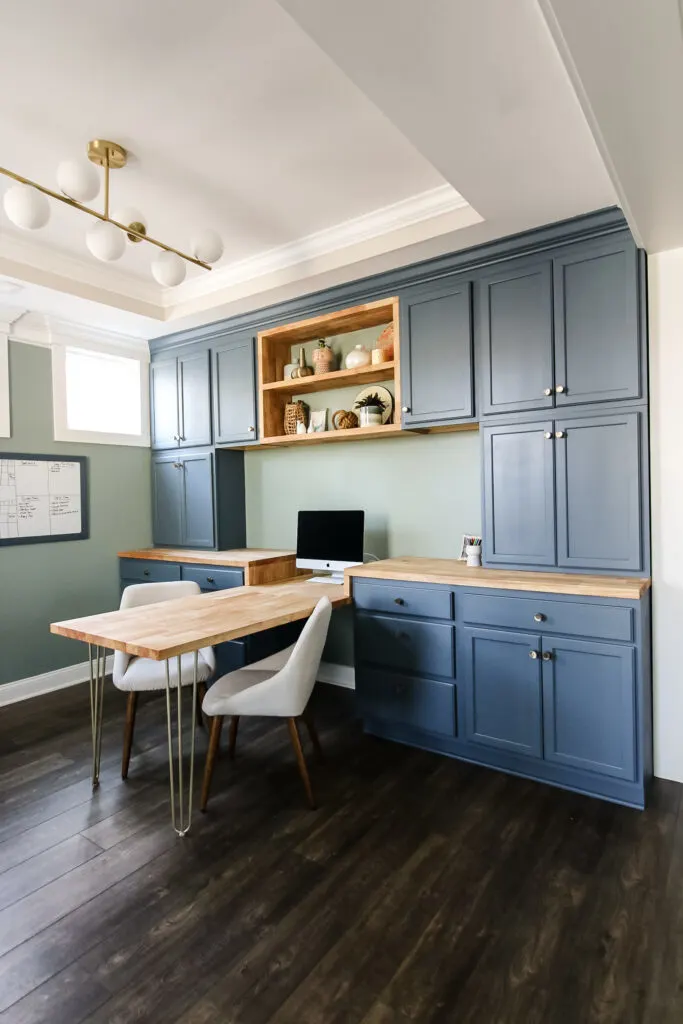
(599,517)
(597,329)
(167,498)
(198,521)
(589,706)
(516,343)
(234,391)
(519,499)
(194,400)
(163,381)
(436,359)
(504,690)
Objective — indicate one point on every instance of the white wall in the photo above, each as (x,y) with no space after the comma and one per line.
(666,421)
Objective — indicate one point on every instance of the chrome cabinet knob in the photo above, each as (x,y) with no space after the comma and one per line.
(560,389)
(560,433)
(547,435)
(210,579)
(547,391)
(533,655)
(251,429)
(539,617)
(399,600)
(405,408)
(145,572)
(547,656)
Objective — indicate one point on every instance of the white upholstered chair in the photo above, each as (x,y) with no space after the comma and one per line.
(133,675)
(279,687)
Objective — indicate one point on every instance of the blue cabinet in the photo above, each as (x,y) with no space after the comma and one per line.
(180,401)
(515,337)
(234,390)
(519,500)
(413,701)
(436,353)
(597,335)
(589,706)
(503,689)
(182,500)
(405,644)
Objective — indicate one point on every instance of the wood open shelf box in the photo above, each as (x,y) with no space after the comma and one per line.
(275,351)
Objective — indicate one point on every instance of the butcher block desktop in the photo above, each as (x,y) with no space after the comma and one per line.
(259,565)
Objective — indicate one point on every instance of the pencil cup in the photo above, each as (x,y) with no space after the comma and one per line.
(473,552)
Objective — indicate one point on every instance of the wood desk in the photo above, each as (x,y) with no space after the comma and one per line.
(172,628)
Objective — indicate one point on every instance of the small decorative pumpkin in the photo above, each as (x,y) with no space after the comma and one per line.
(344,420)
(302,370)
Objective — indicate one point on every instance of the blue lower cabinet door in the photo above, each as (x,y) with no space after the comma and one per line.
(167,499)
(425,704)
(503,690)
(198,521)
(589,706)
(388,641)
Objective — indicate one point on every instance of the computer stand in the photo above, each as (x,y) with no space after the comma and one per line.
(330,577)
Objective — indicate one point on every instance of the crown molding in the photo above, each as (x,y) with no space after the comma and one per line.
(48,331)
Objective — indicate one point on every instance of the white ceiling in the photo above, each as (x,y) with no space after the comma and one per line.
(324,139)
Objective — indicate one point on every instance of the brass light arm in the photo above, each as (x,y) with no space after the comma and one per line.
(127,228)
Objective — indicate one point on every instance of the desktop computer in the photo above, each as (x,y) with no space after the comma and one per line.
(329,541)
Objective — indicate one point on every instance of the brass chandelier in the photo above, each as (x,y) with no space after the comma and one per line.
(27,207)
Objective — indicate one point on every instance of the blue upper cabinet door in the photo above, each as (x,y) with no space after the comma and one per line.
(234,391)
(163,383)
(197,500)
(519,496)
(516,338)
(194,400)
(597,329)
(436,353)
(167,500)
(589,706)
(599,515)
(503,690)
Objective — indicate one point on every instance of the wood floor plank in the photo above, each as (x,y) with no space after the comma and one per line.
(37,872)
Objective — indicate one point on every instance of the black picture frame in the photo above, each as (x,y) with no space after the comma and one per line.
(84,532)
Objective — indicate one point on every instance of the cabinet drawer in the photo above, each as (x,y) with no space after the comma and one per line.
(407,700)
(142,570)
(405,645)
(400,599)
(210,577)
(608,622)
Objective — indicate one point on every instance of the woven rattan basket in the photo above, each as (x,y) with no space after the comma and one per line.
(295,412)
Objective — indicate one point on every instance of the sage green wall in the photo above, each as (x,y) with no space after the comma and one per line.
(40,583)
(420,494)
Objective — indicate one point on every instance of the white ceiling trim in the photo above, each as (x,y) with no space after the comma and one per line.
(46,331)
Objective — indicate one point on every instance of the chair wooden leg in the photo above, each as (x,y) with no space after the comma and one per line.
(313,733)
(131,708)
(214,741)
(232,737)
(300,759)
(201,694)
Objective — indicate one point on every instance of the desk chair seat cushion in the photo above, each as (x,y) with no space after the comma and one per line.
(145,674)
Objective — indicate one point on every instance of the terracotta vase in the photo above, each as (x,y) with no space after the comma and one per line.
(386,342)
(323,358)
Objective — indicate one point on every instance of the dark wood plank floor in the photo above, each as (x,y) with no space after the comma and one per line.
(422,889)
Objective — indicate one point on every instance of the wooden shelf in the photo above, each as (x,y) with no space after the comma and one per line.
(335,379)
(354,434)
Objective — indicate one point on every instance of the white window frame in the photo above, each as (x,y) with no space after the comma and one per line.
(62,431)
(5,424)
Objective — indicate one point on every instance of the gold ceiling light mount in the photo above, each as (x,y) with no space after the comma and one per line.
(26,205)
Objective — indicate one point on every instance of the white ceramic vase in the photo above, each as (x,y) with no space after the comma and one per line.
(357,357)
(370,416)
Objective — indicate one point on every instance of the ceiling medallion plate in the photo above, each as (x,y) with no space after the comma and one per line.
(101,152)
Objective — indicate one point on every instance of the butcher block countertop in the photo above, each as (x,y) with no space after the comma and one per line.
(454,573)
(239,557)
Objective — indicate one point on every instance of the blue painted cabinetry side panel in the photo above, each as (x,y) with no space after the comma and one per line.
(194,400)
(163,383)
(597,329)
(436,353)
(167,500)
(519,499)
(589,706)
(515,338)
(234,390)
(504,690)
(599,488)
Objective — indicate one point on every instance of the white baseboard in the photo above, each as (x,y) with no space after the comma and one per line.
(36,686)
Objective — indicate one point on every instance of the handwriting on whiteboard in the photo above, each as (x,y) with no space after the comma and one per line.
(39,498)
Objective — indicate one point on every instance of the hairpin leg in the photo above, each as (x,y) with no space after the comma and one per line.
(181,817)
(97,662)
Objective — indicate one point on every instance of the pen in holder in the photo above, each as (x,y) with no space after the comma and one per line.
(473,552)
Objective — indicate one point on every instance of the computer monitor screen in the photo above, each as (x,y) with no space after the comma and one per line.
(329,540)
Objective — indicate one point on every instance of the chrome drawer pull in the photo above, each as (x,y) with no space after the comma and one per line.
(399,600)
(539,617)
(145,572)
(210,579)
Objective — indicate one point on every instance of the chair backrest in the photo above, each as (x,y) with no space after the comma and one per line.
(300,672)
(139,594)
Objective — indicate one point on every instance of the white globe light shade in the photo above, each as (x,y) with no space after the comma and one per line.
(207,247)
(128,215)
(26,207)
(168,269)
(105,241)
(78,180)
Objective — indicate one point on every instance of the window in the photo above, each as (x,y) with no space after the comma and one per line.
(99,395)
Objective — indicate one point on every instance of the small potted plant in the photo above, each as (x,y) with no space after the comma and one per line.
(370,409)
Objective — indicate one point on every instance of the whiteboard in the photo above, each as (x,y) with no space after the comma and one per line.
(42,498)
